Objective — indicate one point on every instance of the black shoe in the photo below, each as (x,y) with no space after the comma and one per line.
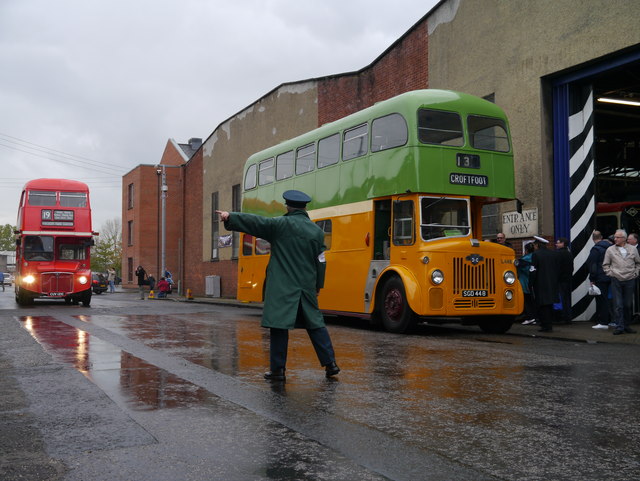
(275,375)
(545,329)
(618,332)
(628,330)
(332,369)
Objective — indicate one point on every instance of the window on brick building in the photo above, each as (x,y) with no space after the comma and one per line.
(130,233)
(236,205)
(130,196)
(215,227)
(129,269)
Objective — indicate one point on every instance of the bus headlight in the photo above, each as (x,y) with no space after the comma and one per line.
(437,277)
(508,294)
(28,279)
(509,277)
(82,279)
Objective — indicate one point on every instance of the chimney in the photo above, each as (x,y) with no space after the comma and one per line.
(195,143)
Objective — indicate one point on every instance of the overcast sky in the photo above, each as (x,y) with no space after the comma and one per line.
(91,88)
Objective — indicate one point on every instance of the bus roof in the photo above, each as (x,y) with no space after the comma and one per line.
(404,103)
(56,184)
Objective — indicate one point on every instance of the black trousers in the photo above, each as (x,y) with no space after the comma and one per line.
(545,316)
(602,303)
(279,344)
(565,298)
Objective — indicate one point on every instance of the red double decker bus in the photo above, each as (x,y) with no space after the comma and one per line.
(53,242)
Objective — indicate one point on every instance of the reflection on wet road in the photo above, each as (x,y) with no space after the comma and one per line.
(515,411)
(122,376)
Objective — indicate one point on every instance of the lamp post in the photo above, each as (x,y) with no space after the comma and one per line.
(162,171)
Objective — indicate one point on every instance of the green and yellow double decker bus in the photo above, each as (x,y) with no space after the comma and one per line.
(398,189)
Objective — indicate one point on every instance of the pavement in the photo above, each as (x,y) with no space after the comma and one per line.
(578,331)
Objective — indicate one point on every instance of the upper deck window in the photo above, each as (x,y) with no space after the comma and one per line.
(388,132)
(444,217)
(355,142)
(284,165)
(73,199)
(487,133)
(438,127)
(42,197)
(329,151)
(251,177)
(305,159)
(266,172)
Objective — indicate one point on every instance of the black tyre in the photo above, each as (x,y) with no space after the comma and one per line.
(86,299)
(393,309)
(496,325)
(22,298)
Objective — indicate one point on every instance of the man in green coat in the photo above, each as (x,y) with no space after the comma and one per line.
(295,275)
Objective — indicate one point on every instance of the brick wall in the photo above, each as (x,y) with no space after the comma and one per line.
(402,68)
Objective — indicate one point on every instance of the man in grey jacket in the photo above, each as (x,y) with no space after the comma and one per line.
(622,263)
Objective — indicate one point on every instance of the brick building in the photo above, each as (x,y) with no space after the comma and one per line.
(142,190)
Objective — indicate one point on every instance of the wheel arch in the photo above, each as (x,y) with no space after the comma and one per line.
(412,287)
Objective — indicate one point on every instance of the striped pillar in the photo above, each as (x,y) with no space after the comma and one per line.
(581,195)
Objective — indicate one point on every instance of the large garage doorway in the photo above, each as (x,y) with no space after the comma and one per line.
(617,149)
(596,160)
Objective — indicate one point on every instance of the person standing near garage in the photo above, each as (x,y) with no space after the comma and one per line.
(544,276)
(622,264)
(2,280)
(295,275)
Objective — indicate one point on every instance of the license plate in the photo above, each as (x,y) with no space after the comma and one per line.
(56,294)
(474,293)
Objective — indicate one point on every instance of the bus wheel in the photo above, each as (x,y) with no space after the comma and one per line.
(393,309)
(86,299)
(499,325)
(23,299)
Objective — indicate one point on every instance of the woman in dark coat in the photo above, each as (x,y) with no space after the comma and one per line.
(544,276)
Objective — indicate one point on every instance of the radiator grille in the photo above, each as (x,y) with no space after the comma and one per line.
(56,282)
(479,303)
(467,276)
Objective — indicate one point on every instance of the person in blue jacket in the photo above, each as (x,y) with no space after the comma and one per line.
(598,278)
(295,275)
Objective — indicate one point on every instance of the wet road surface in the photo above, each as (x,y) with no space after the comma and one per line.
(176,392)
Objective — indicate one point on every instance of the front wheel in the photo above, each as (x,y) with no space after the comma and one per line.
(86,298)
(393,309)
(22,298)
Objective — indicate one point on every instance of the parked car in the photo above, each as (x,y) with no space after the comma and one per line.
(8,279)
(99,283)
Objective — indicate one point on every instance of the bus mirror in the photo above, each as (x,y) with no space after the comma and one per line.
(89,243)
(18,241)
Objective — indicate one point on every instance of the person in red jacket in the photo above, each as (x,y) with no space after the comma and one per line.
(164,287)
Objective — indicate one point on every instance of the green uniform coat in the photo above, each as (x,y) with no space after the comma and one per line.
(296,268)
